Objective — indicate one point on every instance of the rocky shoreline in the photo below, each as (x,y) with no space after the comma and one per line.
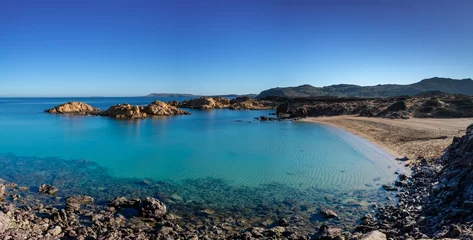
(434,202)
(425,105)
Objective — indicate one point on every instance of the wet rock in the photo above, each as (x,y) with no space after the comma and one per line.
(403,159)
(389,187)
(152,208)
(75,108)
(328,213)
(2,190)
(328,233)
(122,202)
(47,189)
(374,235)
(73,203)
(283,222)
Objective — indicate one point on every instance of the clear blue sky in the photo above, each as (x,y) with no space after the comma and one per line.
(130,48)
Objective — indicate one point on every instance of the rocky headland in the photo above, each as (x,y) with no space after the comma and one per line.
(425,105)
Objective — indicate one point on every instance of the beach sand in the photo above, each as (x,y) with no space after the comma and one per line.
(414,137)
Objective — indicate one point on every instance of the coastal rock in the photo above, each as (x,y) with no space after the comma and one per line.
(206,103)
(75,108)
(2,190)
(125,111)
(152,208)
(328,213)
(247,103)
(73,202)
(47,189)
(374,235)
(158,108)
(122,202)
(328,233)
(5,222)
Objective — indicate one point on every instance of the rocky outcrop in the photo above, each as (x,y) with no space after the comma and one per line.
(73,203)
(318,108)
(74,108)
(440,106)
(152,208)
(247,103)
(47,189)
(125,111)
(156,108)
(206,103)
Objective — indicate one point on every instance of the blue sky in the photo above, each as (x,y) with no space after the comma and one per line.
(132,48)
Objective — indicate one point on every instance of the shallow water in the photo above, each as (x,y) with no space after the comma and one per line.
(208,150)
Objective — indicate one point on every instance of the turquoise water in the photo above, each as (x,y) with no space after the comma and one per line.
(218,158)
(204,144)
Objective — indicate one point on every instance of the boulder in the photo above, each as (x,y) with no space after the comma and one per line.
(397,106)
(122,202)
(75,108)
(73,202)
(374,235)
(329,233)
(158,108)
(328,213)
(47,189)
(5,222)
(152,208)
(125,111)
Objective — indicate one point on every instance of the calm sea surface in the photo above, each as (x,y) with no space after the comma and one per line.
(184,150)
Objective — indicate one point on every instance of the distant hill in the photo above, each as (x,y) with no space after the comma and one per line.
(195,96)
(447,85)
(170,95)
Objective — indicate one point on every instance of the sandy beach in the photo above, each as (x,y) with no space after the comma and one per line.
(412,138)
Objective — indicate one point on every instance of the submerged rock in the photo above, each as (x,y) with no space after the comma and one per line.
(329,233)
(152,208)
(75,108)
(328,213)
(47,189)
(122,202)
(73,202)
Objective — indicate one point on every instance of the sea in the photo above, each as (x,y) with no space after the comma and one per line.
(220,159)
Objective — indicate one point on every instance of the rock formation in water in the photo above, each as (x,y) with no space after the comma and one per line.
(125,111)
(206,103)
(158,108)
(75,108)
(248,103)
